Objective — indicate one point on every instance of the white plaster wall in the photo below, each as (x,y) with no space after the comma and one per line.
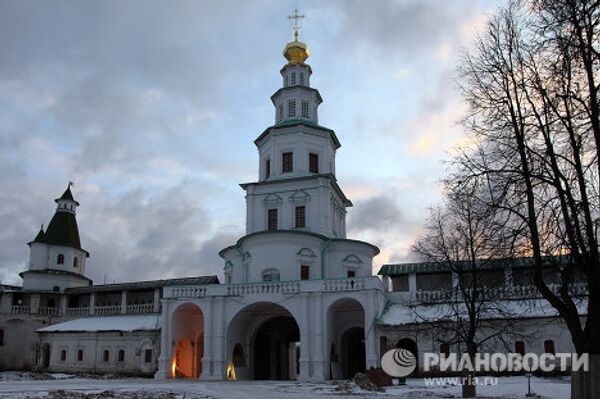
(93,346)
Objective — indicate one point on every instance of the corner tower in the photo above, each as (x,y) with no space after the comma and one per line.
(56,258)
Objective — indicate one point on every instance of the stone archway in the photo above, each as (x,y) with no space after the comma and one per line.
(188,337)
(345,338)
(263,343)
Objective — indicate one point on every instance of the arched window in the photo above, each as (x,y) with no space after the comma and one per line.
(549,346)
(239,360)
(106,355)
(75,262)
(270,275)
(60,259)
(121,355)
(520,347)
(63,355)
(80,355)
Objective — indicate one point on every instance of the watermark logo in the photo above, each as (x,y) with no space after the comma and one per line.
(511,362)
(399,362)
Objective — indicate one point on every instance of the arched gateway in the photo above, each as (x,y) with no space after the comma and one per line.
(299,300)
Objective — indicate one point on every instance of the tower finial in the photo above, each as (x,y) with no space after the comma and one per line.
(296,20)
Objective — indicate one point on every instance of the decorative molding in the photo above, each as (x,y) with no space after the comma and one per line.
(352,259)
(306,252)
(272,199)
(300,196)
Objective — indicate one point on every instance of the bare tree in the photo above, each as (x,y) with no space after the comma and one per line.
(532,86)
(467,237)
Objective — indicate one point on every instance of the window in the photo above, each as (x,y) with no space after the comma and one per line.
(228,279)
(302,78)
(267,168)
(293,78)
(280,112)
(148,356)
(549,346)
(105,356)
(434,281)
(270,275)
(444,350)
(60,259)
(313,163)
(400,283)
(272,222)
(304,272)
(51,303)
(305,109)
(300,216)
(520,347)
(287,162)
(75,262)
(63,355)
(351,273)
(80,355)
(1,337)
(291,109)
(121,355)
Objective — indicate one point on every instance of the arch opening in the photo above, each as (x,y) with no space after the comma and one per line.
(264,343)
(346,339)
(188,337)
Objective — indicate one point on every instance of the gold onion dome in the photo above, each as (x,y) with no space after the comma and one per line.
(296,52)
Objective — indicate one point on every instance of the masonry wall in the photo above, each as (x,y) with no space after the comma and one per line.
(93,347)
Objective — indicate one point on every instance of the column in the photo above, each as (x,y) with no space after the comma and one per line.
(412,285)
(318,350)
(92,303)
(64,302)
(370,337)
(305,350)
(164,359)
(207,360)
(34,303)
(156,301)
(219,340)
(124,302)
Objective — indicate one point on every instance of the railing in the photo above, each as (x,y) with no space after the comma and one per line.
(349,284)
(189,292)
(276,287)
(107,310)
(49,311)
(505,292)
(78,312)
(141,308)
(284,287)
(19,309)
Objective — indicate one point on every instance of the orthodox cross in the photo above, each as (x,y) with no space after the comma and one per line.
(296,20)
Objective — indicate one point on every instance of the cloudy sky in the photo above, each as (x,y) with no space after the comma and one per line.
(151,108)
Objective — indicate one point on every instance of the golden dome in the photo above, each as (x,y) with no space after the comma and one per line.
(296,52)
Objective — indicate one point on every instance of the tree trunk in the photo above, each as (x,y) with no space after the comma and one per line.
(469,389)
(586,384)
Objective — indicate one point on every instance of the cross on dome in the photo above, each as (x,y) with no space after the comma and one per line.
(296,20)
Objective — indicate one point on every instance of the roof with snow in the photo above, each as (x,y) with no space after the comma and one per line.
(105,324)
(402,314)
(140,285)
(436,267)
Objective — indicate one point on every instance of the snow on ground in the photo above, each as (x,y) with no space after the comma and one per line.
(138,388)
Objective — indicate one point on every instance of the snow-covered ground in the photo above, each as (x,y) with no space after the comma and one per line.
(14,388)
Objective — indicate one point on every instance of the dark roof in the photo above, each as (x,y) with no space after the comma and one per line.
(63,230)
(40,236)
(139,285)
(67,195)
(435,267)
